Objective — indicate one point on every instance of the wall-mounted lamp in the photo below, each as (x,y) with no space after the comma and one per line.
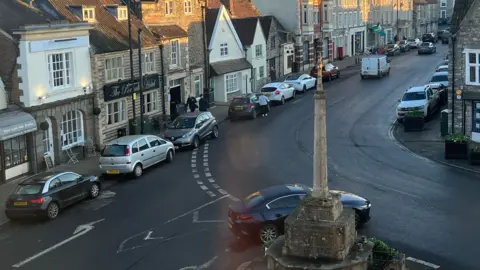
(42,97)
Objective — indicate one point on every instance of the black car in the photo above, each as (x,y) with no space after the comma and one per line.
(429,37)
(45,194)
(245,106)
(392,49)
(262,214)
(404,46)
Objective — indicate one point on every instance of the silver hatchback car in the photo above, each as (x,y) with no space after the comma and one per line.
(133,154)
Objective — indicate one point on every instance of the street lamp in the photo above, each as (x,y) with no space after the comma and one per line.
(132,75)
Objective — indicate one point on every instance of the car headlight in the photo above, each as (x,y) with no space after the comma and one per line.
(417,108)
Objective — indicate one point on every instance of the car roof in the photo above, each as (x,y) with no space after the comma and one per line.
(282,190)
(125,139)
(443,66)
(415,89)
(440,73)
(40,178)
(295,74)
(244,96)
(274,84)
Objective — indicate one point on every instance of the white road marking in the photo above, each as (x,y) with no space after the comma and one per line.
(79,231)
(194,171)
(196,209)
(204,187)
(205,160)
(149,237)
(199,182)
(196,176)
(205,156)
(234,198)
(206,151)
(120,247)
(195,219)
(244,265)
(200,267)
(431,265)
(195,216)
(211,180)
(216,186)
(211,194)
(206,169)
(205,164)
(194,165)
(222,191)
(106,194)
(207,174)
(194,152)
(101,205)
(296,101)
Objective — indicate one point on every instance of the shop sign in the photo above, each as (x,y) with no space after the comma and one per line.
(125,88)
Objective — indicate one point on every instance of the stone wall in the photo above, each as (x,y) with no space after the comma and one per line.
(8,69)
(273,50)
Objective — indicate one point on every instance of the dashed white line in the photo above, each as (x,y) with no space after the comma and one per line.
(207,174)
(205,164)
(196,176)
(211,194)
(204,187)
(205,160)
(215,186)
(194,165)
(431,265)
(194,171)
(205,156)
(206,169)
(211,180)
(222,191)
(199,182)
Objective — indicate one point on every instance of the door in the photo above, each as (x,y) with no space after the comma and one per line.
(144,154)
(201,125)
(156,149)
(48,141)
(71,186)
(175,98)
(56,190)
(280,208)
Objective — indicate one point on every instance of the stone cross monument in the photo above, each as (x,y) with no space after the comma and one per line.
(319,234)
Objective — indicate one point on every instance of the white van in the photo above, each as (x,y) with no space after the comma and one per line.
(375,66)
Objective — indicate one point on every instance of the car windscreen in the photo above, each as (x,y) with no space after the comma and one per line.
(411,40)
(439,78)
(293,77)
(402,42)
(413,96)
(268,89)
(253,200)
(114,150)
(183,123)
(29,189)
(425,44)
(240,101)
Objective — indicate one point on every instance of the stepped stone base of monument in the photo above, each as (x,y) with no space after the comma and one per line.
(357,259)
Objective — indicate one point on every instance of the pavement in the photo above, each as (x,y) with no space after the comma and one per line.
(174,216)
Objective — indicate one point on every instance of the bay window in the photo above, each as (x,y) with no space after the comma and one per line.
(71,129)
(231,82)
(15,151)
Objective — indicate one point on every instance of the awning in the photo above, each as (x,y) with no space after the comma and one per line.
(381,33)
(224,67)
(14,123)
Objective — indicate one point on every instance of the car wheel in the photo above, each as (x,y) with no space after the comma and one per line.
(137,171)
(363,77)
(304,89)
(400,120)
(388,72)
(254,114)
(214,134)
(338,74)
(268,233)
(52,210)
(170,156)
(294,95)
(282,101)
(329,77)
(196,142)
(94,190)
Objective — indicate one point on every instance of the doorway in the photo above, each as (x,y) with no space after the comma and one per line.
(48,147)
(175,97)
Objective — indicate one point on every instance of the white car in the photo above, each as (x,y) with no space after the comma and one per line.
(278,92)
(301,82)
(442,68)
(417,98)
(414,42)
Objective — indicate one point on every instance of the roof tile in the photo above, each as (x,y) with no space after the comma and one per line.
(245,28)
(237,8)
(459,12)
(167,31)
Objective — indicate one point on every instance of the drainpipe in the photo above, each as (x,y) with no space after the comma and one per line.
(454,40)
(206,71)
(164,109)
(251,74)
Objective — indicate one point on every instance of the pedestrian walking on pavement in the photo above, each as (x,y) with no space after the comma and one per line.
(273,74)
(203,104)
(263,102)
(192,103)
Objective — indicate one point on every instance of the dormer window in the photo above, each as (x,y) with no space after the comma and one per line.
(122,13)
(88,14)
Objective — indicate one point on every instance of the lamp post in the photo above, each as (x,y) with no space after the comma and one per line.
(132,76)
(140,81)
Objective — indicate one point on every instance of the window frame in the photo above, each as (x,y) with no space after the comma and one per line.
(187,6)
(169,7)
(175,52)
(273,40)
(119,69)
(122,11)
(89,11)
(197,81)
(475,119)
(443,4)
(258,50)
(8,157)
(234,83)
(64,71)
(148,66)
(65,134)
(224,49)
(261,72)
(153,101)
(468,65)
(111,122)
(305,14)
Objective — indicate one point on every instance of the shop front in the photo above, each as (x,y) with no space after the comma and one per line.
(357,40)
(16,129)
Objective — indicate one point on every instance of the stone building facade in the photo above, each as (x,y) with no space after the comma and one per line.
(425,17)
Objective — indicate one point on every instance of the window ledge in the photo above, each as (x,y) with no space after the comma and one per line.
(472,83)
(118,124)
(228,93)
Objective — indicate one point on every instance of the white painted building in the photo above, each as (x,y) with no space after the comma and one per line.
(251,35)
(230,72)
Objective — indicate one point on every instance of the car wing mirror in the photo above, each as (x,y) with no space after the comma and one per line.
(398,100)
(199,125)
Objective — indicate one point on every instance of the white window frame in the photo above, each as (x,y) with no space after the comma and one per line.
(174,53)
(224,49)
(261,72)
(231,83)
(90,12)
(187,6)
(113,73)
(197,85)
(468,65)
(121,112)
(72,136)
(65,72)
(148,63)
(443,4)
(443,14)
(315,17)
(153,95)
(325,13)
(169,8)
(305,14)
(122,13)
(258,50)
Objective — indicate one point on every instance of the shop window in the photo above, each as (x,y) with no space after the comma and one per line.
(476,117)
(116,112)
(15,151)
(150,102)
(72,129)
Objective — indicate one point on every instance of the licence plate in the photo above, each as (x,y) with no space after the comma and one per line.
(20,203)
(267,95)
(113,171)
(239,108)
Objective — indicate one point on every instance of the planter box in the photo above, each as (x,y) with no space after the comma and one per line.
(413,124)
(456,150)
(474,158)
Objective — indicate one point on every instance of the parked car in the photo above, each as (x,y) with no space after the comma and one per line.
(427,48)
(445,60)
(46,194)
(418,98)
(430,37)
(278,92)
(301,82)
(414,42)
(188,130)
(444,36)
(135,153)
(375,66)
(442,68)
(262,214)
(245,106)
(392,49)
(329,71)
(439,79)
(404,46)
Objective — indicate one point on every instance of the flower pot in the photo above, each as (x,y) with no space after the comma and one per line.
(456,150)
(413,124)
(474,157)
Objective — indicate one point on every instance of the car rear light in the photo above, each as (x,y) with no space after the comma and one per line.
(438,70)
(127,151)
(277,92)
(37,201)
(8,202)
(249,105)
(244,217)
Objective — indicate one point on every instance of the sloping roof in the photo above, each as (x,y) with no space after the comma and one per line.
(245,28)
(109,34)
(432,2)
(228,66)
(266,22)
(459,12)
(236,8)
(167,31)
(211,15)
